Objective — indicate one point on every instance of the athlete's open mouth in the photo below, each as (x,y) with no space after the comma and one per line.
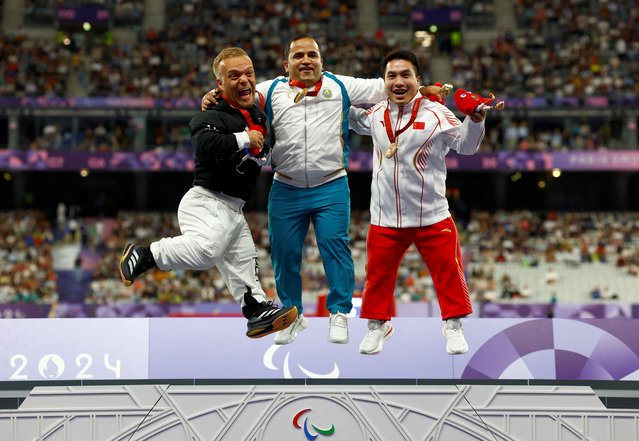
(400,93)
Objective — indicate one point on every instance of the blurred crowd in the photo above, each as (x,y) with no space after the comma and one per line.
(579,48)
(37,67)
(590,248)
(26,263)
(548,135)
(175,61)
(574,48)
(524,135)
(493,244)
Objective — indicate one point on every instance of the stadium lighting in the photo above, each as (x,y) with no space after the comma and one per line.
(515,177)
(84,172)
(556,172)
(7,176)
(541,184)
(86,26)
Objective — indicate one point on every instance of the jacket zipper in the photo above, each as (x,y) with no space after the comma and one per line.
(396,172)
(305,146)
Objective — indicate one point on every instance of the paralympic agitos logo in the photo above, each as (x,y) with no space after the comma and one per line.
(309,435)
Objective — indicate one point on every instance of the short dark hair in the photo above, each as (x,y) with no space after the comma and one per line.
(287,49)
(400,54)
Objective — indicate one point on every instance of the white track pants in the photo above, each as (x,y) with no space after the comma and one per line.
(214,233)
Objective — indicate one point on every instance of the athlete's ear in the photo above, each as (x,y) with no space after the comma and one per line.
(219,83)
(285,64)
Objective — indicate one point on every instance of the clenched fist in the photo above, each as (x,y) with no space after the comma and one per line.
(256,142)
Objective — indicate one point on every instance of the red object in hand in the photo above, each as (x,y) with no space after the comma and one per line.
(467,101)
(256,150)
(435,98)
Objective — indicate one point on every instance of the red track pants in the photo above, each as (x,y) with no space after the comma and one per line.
(438,245)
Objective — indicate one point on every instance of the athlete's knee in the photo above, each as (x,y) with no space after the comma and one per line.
(206,249)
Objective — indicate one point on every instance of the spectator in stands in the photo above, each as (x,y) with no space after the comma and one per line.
(595,294)
(551,277)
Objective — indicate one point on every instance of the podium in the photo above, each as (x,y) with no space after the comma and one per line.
(203,379)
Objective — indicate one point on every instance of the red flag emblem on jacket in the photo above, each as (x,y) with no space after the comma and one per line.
(419,125)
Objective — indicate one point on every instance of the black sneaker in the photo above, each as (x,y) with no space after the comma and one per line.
(135,260)
(268,318)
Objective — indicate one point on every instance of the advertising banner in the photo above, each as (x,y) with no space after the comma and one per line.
(56,160)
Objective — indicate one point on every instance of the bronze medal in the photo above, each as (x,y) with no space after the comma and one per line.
(392,149)
(300,95)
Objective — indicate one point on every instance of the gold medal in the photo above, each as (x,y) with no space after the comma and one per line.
(392,149)
(300,95)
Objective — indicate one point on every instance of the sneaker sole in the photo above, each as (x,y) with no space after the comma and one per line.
(379,347)
(127,250)
(280,323)
(339,342)
(460,352)
(456,352)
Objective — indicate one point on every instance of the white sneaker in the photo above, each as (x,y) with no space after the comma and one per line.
(378,333)
(338,328)
(286,336)
(454,333)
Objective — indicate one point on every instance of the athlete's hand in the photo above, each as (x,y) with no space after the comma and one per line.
(436,92)
(210,99)
(256,142)
(479,115)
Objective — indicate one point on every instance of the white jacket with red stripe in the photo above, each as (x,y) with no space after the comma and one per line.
(409,189)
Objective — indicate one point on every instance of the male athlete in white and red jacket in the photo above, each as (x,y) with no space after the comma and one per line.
(411,137)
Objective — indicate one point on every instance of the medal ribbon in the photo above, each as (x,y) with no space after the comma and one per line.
(304,87)
(392,137)
(247,117)
(251,125)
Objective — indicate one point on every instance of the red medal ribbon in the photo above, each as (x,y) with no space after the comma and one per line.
(247,117)
(392,137)
(304,87)
(249,121)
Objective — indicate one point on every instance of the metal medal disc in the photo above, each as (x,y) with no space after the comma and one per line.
(391,150)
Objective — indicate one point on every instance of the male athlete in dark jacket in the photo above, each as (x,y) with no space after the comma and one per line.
(219,165)
(229,144)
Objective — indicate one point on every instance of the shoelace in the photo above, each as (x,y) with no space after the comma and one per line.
(338,320)
(454,326)
(265,306)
